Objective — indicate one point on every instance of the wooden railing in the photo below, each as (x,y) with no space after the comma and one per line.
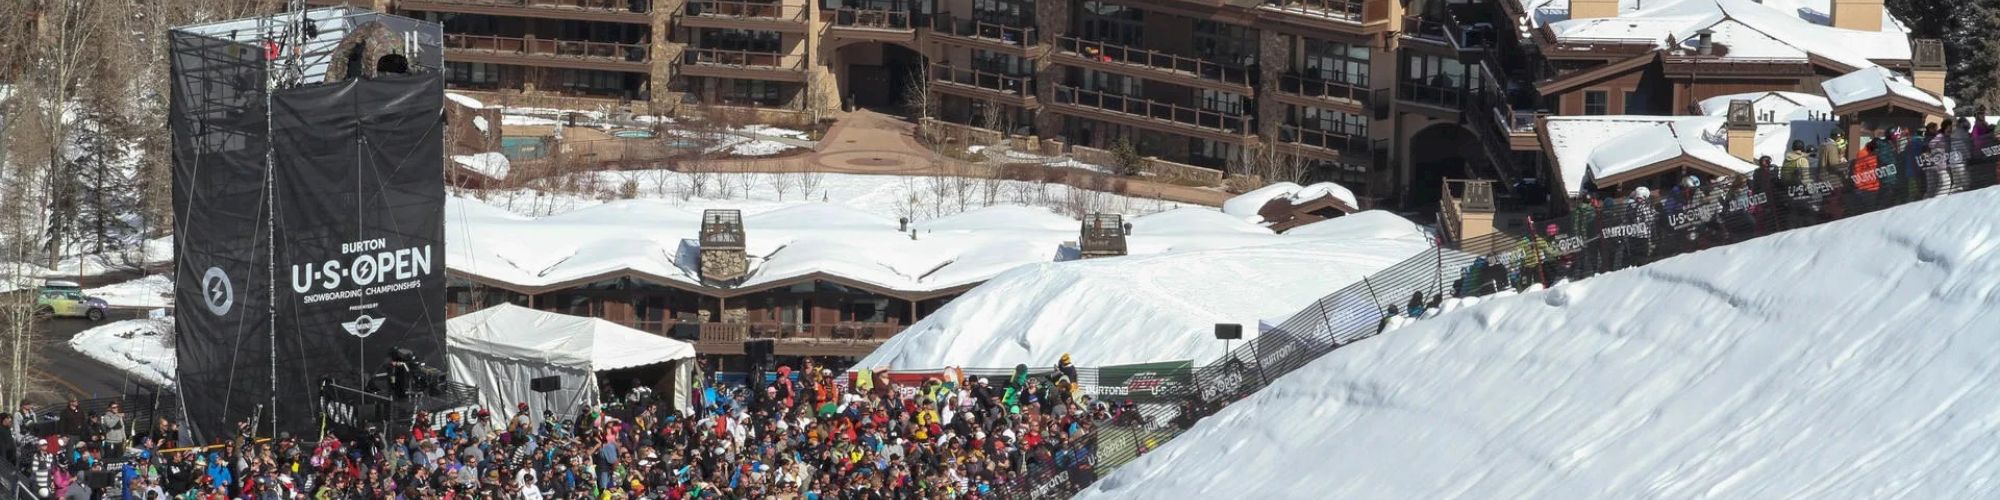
(882,19)
(1294,83)
(1018,86)
(1140,107)
(1413,91)
(773,10)
(966,28)
(635,6)
(1114,53)
(1345,144)
(736,333)
(628,52)
(1350,10)
(725,57)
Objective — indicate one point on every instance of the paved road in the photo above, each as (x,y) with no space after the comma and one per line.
(78,375)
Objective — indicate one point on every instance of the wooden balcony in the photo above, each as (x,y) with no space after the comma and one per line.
(875,25)
(972,83)
(1154,65)
(1323,144)
(722,63)
(748,15)
(612,11)
(989,36)
(1443,97)
(1167,117)
(794,339)
(529,51)
(1301,90)
(1351,17)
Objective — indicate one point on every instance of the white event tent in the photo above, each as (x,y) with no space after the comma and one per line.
(503,348)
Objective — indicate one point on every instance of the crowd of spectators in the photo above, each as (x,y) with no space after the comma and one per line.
(808,435)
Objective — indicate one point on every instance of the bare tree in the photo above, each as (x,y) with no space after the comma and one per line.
(810,180)
(963,181)
(908,201)
(1274,165)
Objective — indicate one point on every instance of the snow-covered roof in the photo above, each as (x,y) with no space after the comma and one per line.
(1818,12)
(1587,147)
(660,241)
(1247,205)
(1573,139)
(464,100)
(1777,29)
(509,331)
(1766,369)
(1159,307)
(493,165)
(1872,83)
(1782,117)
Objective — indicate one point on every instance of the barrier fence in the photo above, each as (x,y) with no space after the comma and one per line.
(1599,235)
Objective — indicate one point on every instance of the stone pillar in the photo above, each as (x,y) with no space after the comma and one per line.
(664,53)
(1051,21)
(1274,59)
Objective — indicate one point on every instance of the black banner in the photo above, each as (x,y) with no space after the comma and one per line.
(221,232)
(360,231)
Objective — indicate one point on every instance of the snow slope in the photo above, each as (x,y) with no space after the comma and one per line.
(1147,308)
(151,291)
(139,347)
(1851,360)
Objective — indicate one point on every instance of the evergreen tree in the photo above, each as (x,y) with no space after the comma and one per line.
(1965,28)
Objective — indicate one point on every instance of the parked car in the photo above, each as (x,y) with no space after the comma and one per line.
(64,299)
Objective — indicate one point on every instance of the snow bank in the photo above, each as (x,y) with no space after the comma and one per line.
(464,100)
(493,165)
(1247,205)
(148,292)
(142,348)
(1139,309)
(1854,359)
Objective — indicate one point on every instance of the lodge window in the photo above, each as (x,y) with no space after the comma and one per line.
(1329,121)
(1112,83)
(1335,62)
(1213,154)
(999,63)
(1596,102)
(1437,71)
(1004,12)
(1232,44)
(463,73)
(1632,104)
(1111,23)
(1222,102)
(580,79)
(761,92)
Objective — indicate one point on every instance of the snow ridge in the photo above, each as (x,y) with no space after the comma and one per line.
(1854,359)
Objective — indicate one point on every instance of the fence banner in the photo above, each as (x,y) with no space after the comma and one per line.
(1146,382)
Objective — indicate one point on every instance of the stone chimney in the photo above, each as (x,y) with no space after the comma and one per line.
(1599,9)
(723,260)
(1858,15)
(1741,130)
(1927,65)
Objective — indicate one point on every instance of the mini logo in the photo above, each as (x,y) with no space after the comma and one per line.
(362,326)
(216,292)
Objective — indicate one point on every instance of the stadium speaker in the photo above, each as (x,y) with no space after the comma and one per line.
(545,384)
(1228,331)
(759,351)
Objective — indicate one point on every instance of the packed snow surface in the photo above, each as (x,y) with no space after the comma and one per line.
(1851,360)
(1160,307)
(142,348)
(148,292)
